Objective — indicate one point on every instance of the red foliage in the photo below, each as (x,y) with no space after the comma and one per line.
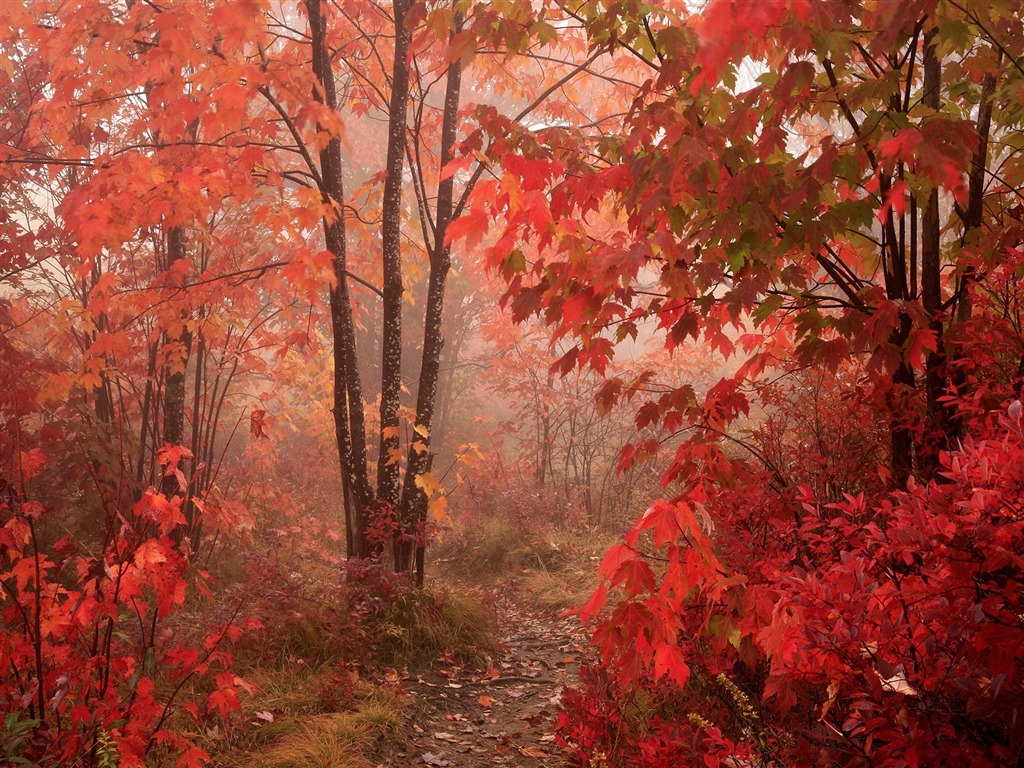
(881,630)
(789,189)
(84,636)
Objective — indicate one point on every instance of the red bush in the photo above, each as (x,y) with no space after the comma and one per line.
(84,636)
(881,631)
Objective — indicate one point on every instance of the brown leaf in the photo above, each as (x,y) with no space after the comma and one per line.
(533,752)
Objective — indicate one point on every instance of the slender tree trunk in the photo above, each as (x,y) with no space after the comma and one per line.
(143,471)
(104,403)
(413,510)
(193,520)
(931,288)
(901,431)
(349,423)
(108,481)
(972,220)
(388,469)
(174,376)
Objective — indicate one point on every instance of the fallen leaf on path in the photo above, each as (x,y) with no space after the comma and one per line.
(486,701)
(533,752)
(431,758)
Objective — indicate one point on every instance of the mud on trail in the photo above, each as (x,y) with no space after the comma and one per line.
(464,718)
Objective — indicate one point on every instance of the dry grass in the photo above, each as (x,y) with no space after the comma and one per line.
(326,740)
(496,547)
(559,591)
(557,568)
(571,585)
(293,687)
(312,711)
(338,740)
(420,626)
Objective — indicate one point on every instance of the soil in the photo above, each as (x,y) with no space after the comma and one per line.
(504,715)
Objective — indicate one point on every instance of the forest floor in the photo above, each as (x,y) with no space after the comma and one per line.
(504,715)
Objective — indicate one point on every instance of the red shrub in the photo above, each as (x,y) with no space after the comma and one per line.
(882,631)
(84,637)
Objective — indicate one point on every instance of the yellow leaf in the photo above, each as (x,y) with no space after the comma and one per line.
(427,483)
(55,389)
(422,431)
(438,510)
(149,552)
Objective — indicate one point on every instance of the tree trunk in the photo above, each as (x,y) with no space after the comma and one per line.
(936,425)
(901,431)
(972,220)
(349,424)
(413,511)
(388,468)
(174,376)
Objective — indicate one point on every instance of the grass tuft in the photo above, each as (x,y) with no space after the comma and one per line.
(328,740)
(419,626)
(570,588)
(324,741)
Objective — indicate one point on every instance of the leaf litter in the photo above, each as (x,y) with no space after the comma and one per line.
(505,714)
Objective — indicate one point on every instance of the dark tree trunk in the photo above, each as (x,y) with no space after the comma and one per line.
(972,220)
(901,427)
(936,425)
(349,423)
(413,511)
(174,375)
(388,470)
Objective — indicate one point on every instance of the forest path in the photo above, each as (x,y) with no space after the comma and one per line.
(463,718)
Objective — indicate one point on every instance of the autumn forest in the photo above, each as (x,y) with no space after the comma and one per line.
(529,382)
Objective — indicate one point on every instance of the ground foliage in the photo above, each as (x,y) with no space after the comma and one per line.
(502,712)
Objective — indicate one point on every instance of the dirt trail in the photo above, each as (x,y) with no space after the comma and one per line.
(464,718)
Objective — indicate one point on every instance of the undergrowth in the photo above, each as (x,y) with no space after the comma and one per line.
(324,669)
(306,733)
(555,565)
